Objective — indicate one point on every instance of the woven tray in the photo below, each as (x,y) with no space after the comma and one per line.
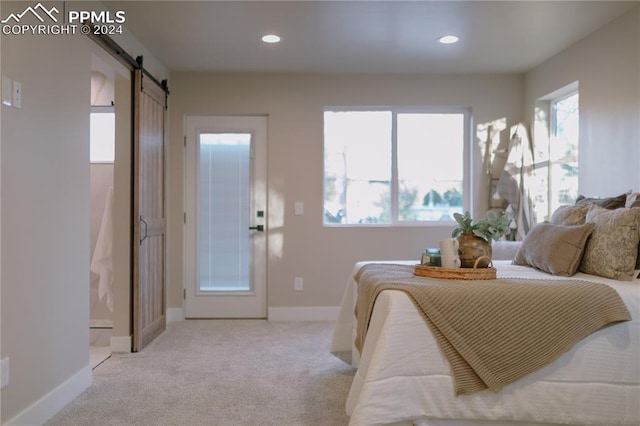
(456,273)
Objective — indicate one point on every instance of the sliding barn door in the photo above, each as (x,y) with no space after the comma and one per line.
(149,223)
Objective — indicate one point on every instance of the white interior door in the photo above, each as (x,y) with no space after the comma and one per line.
(225,217)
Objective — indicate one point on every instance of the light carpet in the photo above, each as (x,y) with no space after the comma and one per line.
(220,372)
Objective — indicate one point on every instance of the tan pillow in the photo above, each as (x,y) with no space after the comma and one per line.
(612,250)
(556,249)
(608,203)
(570,215)
(505,250)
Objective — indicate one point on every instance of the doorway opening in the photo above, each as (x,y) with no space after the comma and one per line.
(110,210)
(102,158)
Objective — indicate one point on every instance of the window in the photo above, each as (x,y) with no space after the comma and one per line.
(557,140)
(102,138)
(394,166)
(224,211)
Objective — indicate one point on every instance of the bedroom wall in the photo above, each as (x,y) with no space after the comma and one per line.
(294,103)
(45,219)
(607,66)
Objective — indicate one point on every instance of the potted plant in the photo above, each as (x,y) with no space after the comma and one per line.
(474,239)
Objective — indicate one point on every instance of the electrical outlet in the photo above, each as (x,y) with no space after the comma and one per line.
(4,373)
(297,283)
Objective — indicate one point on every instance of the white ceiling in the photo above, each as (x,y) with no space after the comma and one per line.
(363,36)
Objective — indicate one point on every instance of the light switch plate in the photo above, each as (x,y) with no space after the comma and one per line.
(17,94)
(7,91)
(298,208)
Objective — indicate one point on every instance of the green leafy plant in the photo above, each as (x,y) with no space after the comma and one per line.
(490,228)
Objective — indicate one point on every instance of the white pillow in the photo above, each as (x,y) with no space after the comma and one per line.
(633,197)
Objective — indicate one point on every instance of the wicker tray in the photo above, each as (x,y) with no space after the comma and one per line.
(456,273)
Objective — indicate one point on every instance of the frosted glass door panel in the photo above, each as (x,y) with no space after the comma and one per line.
(224,212)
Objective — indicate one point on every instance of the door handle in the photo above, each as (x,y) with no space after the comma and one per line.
(144,223)
(259,228)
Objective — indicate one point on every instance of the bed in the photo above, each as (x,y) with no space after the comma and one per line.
(403,378)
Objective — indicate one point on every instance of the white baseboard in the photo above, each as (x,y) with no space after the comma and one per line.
(120,344)
(175,314)
(50,404)
(320,313)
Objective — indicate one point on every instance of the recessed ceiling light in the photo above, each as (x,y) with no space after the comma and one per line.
(448,39)
(271,38)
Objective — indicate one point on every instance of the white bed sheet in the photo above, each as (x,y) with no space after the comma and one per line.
(403,377)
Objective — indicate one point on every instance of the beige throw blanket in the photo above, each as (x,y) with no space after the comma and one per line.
(494,332)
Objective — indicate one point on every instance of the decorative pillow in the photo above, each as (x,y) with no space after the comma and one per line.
(608,203)
(570,215)
(612,250)
(556,249)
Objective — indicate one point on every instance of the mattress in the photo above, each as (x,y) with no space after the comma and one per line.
(403,377)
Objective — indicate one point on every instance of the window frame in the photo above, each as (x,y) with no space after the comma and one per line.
(467,174)
(547,105)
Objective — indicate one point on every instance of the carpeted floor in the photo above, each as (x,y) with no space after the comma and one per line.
(220,372)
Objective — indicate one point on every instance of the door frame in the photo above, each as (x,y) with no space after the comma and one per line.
(198,306)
